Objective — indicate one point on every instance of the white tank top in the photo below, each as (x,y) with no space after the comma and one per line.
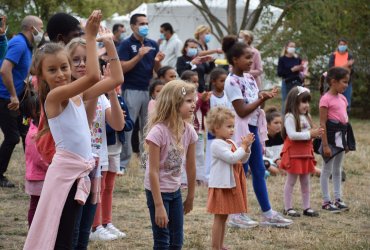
(71,131)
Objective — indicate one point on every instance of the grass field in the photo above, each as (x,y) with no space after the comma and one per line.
(349,230)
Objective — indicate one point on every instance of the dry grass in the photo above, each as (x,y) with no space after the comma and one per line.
(350,230)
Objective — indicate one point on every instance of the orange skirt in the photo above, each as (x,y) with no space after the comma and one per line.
(229,200)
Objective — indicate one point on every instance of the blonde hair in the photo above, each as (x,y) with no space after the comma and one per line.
(247,33)
(217,116)
(201,29)
(167,107)
(74,43)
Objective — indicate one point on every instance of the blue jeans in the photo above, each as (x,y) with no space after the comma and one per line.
(83,225)
(348,94)
(172,236)
(258,171)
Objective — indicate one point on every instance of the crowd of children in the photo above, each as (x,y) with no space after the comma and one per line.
(213,139)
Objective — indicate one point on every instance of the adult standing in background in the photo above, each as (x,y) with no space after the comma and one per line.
(63,27)
(170,46)
(256,68)
(14,70)
(139,56)
(118,31)
(343,58)
(289,67)
(3,39)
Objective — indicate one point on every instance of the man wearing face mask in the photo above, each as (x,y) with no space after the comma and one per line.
(118,33)
(139,56)
(14,70)
(171,45)
(343,58)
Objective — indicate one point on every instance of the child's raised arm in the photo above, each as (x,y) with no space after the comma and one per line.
(59,94)
(116,76)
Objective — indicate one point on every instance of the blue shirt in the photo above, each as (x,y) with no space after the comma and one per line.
(20,54)
(139,76)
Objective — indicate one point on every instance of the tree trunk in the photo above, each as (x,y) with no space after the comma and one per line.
(231,17)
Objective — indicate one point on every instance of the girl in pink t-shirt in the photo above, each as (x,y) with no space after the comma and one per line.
(170,141)
(336,139)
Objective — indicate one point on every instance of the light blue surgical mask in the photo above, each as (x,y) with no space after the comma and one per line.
(207,38)
(192,52)
(122,36)
(143,30)
(162,37)
(342,48)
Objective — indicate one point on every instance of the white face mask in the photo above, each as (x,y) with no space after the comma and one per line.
(37,38)
(290,50)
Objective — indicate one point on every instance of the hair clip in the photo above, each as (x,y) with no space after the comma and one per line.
(183,91)
(302,90)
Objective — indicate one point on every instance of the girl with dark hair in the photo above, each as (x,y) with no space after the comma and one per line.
(297,157)
(242,91)
(338,136)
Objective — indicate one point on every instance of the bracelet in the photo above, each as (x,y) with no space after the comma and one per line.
(113,59)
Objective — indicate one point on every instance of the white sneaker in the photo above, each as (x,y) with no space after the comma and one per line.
(275,220)
(101,234)
(115,231)
(241,221)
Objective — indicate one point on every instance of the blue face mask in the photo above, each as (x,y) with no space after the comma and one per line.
(192,52)
(342,48)
(207,38)
(162,37)
(143,30)
(122,37)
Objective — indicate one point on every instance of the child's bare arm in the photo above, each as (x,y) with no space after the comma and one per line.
(190,172)
(115,77)
(161,218)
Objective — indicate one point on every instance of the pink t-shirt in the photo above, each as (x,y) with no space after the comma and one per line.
(171,158)
(151,106)
(337,107)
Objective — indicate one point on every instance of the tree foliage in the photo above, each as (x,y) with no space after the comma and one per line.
(316,26)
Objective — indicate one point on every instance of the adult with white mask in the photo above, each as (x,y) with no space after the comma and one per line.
(139,56)
(171,45)
(289,68)
(14,70)
(343,58)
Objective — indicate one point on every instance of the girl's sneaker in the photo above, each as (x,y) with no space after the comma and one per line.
(275,220)
(241,221)
(115,231)
(341,205)
(101,234)
(328,206)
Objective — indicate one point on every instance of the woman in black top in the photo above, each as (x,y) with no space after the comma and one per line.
(191,61)
(289,68)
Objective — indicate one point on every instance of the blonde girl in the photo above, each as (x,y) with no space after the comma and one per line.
(227,193)
(170,142)
(52,226)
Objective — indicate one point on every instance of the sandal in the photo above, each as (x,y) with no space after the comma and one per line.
(291,212)
(310,212)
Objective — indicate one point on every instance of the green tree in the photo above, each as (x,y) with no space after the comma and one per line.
(316,26)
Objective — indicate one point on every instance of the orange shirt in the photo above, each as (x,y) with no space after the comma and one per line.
(340,59)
